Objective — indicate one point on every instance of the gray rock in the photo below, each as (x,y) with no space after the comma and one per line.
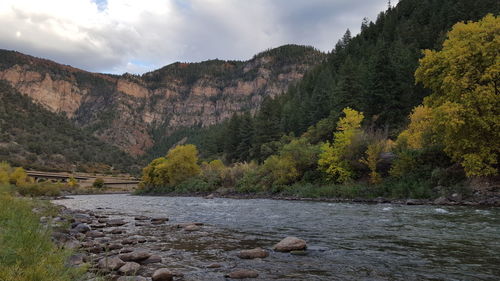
(290,244)
(76,259)
(116,222)
(158,220)
(129,268)
(94,234)
(214,265)
(137,255)
(163,274)
(192,227)
(111,263)
(82,228)
(253,254)
(117,231)
(141,218)
(152,259)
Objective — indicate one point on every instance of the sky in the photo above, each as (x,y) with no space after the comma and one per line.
(136,36)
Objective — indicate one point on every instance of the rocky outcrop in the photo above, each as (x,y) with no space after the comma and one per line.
(125,110)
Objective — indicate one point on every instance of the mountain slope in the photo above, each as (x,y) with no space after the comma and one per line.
(133,112)
(31,136)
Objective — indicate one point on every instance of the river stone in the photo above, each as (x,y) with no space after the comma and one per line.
(253,254)
(82,228)
(290,244)
(441,201)
(71,244)
(243,273)
(117,231)
(131,278)
(141,218)
(114,246)
(152,259)
(82,218)
(116,222)
(129,268)
(192,227)
(98,225)
(102,220)
(158,220)
(137,255)
(94,234)
(163,274)
(76,259)
(112,263)
(214,265)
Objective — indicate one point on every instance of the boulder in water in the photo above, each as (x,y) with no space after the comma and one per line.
(290,244)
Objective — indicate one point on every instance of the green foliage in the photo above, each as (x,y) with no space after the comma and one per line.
(465,102)
(98,183)
(27,252)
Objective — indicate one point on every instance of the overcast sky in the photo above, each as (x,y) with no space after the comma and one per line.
(136,36)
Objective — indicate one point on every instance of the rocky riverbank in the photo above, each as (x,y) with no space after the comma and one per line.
(119,247)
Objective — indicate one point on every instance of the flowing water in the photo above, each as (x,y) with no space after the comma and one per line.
(346,241)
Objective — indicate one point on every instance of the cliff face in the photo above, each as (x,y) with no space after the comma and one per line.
(125,110)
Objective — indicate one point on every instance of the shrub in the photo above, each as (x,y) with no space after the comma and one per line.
(98,183)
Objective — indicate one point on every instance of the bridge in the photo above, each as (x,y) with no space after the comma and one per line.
(84,179)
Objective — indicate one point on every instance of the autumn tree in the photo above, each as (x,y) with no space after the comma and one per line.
(332,158)
(464,78)
(180,164)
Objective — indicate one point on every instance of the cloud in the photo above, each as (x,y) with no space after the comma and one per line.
(136,36)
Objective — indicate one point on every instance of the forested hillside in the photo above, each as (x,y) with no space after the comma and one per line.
(33,137)
(372,72)
(409,108)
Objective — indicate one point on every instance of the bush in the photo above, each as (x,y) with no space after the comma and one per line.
(98,183)
(39,189)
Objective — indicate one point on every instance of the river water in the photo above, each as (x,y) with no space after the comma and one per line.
(346,241)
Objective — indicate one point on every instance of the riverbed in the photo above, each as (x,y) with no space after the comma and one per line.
(345,241)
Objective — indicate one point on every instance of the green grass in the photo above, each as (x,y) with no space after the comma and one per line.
(26,250)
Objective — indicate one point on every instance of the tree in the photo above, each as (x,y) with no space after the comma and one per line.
(419,131)
(332,158)
(464,78)
(180,164)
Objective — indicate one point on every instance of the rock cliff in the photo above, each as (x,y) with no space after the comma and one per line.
(125,110)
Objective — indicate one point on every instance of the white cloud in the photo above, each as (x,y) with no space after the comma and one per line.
(136,36)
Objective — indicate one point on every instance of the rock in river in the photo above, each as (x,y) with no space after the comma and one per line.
(137,255)
(243,273)
(253,254)
(290,244)
(112,263)
(158,220)
(163,274)
(116,222)
(82,227)
(192,227)
(129,268)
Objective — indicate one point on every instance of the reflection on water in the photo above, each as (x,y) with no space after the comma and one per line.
(348,241)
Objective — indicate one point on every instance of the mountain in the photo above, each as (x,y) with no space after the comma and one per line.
(133,112)
(34,137)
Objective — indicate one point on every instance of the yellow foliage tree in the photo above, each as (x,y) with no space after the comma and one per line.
(464,77)
(372,158)
(180,164)
(419,131)
(331,160)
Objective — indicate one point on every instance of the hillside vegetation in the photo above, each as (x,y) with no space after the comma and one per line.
(353,127)
(33,137)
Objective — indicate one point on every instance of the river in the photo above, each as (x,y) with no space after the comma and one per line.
(346,241)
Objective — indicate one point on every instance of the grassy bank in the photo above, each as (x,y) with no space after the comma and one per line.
(27,252)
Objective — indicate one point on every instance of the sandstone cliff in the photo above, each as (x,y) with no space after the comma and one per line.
(125,110)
